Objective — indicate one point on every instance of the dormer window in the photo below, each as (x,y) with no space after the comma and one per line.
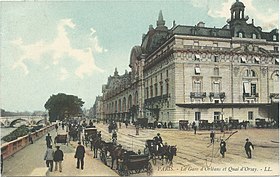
(197,57)
(256,60)
(254,36)
(243,60)
(216,58)
(274,37)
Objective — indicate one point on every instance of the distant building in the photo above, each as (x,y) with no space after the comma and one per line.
(97,109)
(199,73)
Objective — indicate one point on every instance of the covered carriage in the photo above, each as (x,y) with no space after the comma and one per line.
(134,164)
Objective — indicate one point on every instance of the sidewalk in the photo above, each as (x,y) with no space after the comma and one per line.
(32,157)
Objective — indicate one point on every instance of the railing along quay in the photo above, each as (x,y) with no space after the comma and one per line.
(10,148)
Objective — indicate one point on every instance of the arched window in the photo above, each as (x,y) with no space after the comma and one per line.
(275,79)
(240,34)
(249,73)
(254,36)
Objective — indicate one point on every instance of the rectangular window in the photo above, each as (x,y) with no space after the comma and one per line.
(166,73)
(216,87)
(253,89)
(217,116)
(156,90)
(197,87)
(151,91)
(147,92)
(197,116)
(197,70)
(161,89)
(250,115)
(167,88)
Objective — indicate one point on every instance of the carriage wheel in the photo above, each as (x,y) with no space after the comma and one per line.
(149,169)
(126,171)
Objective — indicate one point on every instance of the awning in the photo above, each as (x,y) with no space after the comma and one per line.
(257,59)
(246,87)
(243,59)
(197,70)
(197,56)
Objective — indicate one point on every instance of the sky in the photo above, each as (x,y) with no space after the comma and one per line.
(51,47)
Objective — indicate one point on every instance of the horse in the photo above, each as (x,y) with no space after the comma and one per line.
(116,153)
(171,152)
(97,144)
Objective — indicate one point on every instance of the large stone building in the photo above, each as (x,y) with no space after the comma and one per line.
(198,73)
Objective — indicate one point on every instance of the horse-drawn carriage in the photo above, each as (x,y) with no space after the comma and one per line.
(161,151)
(89,135)
(133,164)
(61,138)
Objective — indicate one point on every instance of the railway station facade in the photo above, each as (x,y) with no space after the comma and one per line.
(198,73)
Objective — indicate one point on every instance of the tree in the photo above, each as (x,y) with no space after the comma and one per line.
(62,105)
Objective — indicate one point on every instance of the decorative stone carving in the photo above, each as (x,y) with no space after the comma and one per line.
(236,70)
(264,71)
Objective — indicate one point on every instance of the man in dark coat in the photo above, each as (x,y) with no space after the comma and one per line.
(212,136)
(223,148)
(248,146)
(58,158)
(48,140)
(80,154)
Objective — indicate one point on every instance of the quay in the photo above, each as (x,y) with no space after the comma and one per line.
(29,160)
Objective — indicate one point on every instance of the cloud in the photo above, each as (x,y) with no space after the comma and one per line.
(58,49)
(63,74)
(267,19)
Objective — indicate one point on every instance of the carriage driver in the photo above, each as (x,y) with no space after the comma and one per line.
(158,141)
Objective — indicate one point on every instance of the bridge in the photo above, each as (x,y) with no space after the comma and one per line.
(29,120)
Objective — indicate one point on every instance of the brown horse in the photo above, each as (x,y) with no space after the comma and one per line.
(116,153)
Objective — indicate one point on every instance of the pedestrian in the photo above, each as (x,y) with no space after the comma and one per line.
(62,125)
(58,158)
(212,136)
(120,124)
(126,124)
(139,152)
(80,154)
(56,127)
(223,148)
(248,148)
(49,157)
(137,129)
(194,127)
(30,138)
(49,140)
